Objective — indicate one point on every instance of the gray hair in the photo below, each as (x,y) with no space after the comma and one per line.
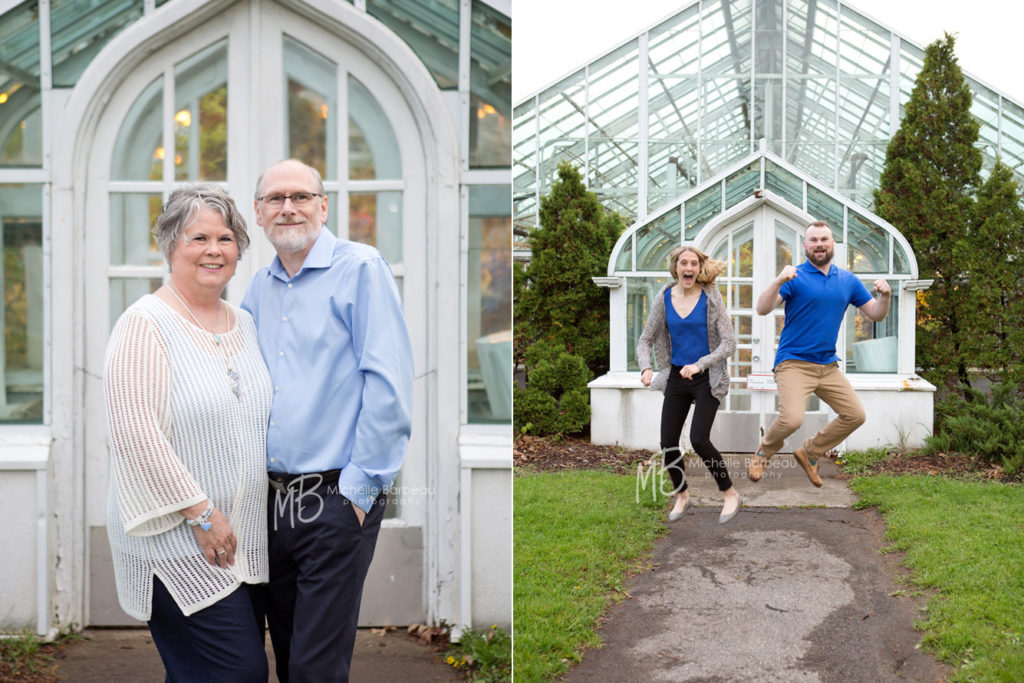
(183,207)
(312,171)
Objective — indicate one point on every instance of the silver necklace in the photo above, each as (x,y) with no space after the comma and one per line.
(236,382)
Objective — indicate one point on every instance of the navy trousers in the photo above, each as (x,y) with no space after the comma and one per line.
(221,643)
(319,556)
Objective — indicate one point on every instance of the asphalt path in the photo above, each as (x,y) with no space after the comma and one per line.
(795,591)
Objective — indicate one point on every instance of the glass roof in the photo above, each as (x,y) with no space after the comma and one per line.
(823,85)
(873,246)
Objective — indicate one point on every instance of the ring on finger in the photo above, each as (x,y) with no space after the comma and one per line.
(222,552)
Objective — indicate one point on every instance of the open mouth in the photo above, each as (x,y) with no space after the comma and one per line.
(688,277)
(211,266)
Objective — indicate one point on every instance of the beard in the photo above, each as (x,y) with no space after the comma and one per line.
(292,239)
(819,259)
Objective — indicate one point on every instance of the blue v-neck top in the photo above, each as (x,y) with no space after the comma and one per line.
(689,335)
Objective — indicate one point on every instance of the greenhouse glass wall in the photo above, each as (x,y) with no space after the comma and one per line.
(403,107)
(731,125)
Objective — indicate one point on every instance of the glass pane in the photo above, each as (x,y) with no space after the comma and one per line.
(702,208)
(742,184)
(614,152)
(21,132)
(200,115)
(869,247)
(376,218)
(744,328)
(640,293)
(655,240)
(431,29)
(870,346)
(332,213)
(625,260)
(787,245)
(312,84)
(79,30)
(783,183)
(139,150)
(824,208)
(524,167)
(131,239)
(21,284)
(673,122)
(372,146)
(742,256)
(900,262)
(490,87)
(489,306)
(126,291)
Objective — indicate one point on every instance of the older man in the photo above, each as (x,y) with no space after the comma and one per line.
(331,330)
(816,294)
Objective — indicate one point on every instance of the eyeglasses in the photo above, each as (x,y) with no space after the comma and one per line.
(298,199)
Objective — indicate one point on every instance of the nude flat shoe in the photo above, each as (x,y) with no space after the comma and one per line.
(723,518)
(673,516)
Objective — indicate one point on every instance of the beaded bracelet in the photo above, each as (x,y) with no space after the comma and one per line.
(203,520)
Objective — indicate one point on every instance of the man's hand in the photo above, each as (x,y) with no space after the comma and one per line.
(882,287)
(787,273)
(360,515)
(646,376)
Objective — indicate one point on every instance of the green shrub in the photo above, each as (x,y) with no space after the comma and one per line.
(991,430)
(556,399)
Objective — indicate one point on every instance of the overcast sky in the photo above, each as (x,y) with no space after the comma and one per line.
(552,38)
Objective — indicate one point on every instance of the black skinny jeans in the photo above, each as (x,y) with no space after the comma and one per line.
(679,394)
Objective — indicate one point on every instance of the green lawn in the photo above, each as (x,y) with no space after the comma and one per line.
(577,537)
(964,542)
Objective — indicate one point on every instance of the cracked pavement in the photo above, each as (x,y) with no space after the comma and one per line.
(793,593)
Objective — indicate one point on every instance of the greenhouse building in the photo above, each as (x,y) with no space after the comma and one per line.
(731,125)
(403,107)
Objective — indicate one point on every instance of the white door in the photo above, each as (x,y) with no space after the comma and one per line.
(756,246)
(256,84)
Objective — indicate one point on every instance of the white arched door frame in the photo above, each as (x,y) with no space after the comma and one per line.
(76,374)
(737,428)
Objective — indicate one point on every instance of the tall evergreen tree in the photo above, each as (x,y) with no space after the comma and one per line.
(555,299)
(932,170)
(993,258)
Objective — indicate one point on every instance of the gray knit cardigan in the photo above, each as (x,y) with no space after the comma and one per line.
(721,340)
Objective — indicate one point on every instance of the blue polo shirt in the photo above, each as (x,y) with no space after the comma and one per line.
(815,306)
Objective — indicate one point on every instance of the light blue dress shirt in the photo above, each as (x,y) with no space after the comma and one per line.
(335,342)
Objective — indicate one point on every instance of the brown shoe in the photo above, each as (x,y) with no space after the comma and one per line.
(805,462)
(756,465)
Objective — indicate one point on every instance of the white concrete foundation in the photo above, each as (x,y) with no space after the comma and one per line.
(899,413)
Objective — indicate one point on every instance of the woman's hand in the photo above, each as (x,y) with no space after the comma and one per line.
(646,376)
(219,543)
(688,371)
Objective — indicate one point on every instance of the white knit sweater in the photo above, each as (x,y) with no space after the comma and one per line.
(179,435)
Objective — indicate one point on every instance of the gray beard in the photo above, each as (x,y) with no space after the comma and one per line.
(292,241)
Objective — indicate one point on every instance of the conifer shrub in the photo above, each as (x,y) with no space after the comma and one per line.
(556,399)
(989,429)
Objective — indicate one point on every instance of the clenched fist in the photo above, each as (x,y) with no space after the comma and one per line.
(787,274)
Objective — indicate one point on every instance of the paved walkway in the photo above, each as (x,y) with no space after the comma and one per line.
(128,655)
(792,589)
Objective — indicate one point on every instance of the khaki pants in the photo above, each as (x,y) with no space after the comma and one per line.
(797,380)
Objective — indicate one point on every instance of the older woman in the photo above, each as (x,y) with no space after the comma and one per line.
(692,337)
(188,398)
